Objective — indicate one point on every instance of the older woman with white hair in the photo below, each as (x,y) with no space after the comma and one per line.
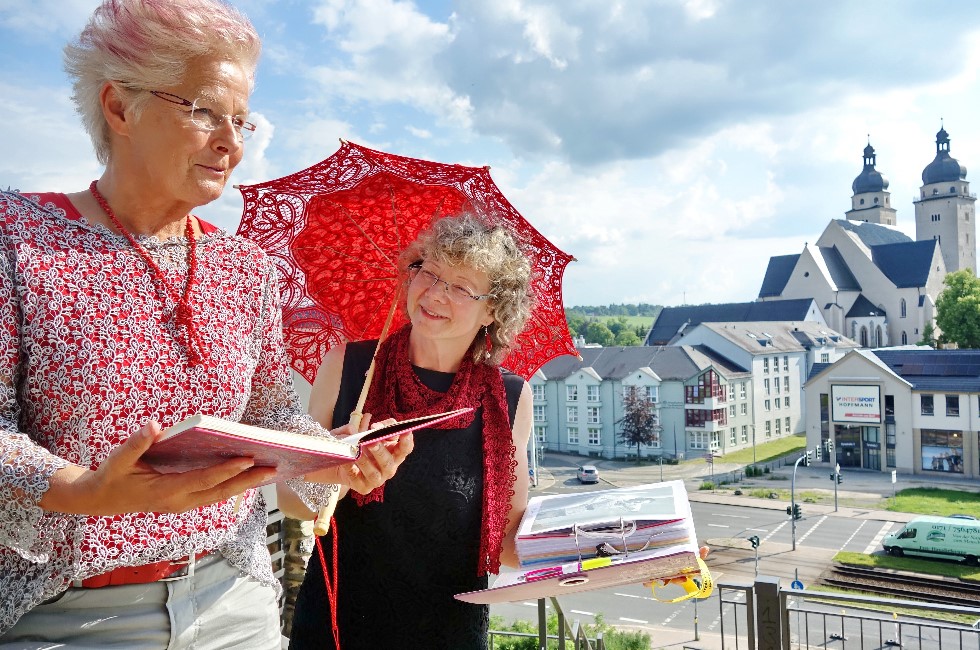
(121,312)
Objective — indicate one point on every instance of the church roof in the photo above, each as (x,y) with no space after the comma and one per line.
(870,179)
(777,275)
(864,307)
(906,264)
(943,168)
(841,275)
(873,234)
(673,320)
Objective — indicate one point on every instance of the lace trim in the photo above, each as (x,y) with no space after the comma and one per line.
(397,392)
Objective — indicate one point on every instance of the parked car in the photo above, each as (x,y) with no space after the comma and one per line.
(588,474)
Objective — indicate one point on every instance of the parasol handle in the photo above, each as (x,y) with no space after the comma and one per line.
(322,523)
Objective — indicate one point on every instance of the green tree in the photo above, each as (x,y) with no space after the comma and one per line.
(597,332)
(627,337)
(928,336)
(637,426)
(576,323)
(958,309)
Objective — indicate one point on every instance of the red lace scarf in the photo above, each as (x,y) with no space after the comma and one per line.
(396,392)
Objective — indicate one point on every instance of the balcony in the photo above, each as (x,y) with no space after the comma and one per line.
(705,397)
(706,420)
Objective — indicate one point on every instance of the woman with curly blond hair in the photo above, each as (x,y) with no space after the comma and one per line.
(448,518)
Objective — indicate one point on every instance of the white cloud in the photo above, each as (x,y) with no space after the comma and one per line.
(45,16)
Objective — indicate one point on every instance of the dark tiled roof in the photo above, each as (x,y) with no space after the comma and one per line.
(670,363)
(726,367)
(841,275)
(777,275)
(816,369)
(873,234)
(906,264)
(671,319)
(925,369)
(864,307)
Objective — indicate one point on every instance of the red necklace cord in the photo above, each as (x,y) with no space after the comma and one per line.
(183,312)
(332,585)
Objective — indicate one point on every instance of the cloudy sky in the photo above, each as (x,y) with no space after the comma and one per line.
(671,146)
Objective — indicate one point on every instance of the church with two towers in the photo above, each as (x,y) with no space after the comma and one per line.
(872,282)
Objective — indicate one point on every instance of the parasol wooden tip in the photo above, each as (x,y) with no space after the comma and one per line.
(579,357)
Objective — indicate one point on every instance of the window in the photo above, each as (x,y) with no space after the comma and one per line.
(705,440)
(765,386)
(651,393)
(744,408)
(785,364)
(731,393)
(571,414)
(731,411)
(539,413)
(905,338)
(926,402)
(776,385)
(903,308)
(767,405)
(541,433)
(593,414)
(572,435)
(785,384)
(824,357)
(537,391)
(768,429)
(786,402)
(953,405)
(779,427)
(942,451)
(592,393)
(733,436)
(571,393)
(745,434)
(594,437)
(765,364)
(787,425)
(741,390)
(779,403)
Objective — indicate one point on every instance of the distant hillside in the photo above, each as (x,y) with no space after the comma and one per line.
(642,309)
(612,324)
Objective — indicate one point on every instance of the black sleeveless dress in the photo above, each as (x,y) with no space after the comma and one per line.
(401,561)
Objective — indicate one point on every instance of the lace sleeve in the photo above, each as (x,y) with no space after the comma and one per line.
(273,402)
(25,467)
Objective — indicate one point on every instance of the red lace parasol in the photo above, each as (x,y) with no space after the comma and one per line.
(335,231)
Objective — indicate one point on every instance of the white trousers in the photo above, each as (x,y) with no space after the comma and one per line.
(217,607)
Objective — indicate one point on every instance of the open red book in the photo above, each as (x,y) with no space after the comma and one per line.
(202,441)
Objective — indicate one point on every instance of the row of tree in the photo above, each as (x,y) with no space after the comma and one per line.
(615,331)
(957,313)
(641,309)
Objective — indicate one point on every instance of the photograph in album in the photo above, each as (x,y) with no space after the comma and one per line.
(577,542)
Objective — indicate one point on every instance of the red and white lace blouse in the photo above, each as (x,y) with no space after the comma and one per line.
(89,353)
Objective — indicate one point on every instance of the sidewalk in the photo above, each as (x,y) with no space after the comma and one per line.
(859,485)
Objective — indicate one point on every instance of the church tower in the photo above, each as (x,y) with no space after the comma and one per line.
(871,201)
(945,210)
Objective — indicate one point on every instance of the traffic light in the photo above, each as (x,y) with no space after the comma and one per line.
(832,476)
(840,478)
(789,510)
(754,541)
(805,458)
(830,445)
(797,511)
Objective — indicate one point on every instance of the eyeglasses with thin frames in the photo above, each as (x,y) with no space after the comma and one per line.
(458,294)
(206,119)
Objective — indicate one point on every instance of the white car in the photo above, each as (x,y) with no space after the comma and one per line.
(588,474)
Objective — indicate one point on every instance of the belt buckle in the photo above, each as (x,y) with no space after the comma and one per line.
(187,570)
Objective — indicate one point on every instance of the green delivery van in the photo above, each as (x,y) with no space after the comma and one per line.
(955,538)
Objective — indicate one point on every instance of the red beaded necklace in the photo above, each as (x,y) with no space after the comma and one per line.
(183,313)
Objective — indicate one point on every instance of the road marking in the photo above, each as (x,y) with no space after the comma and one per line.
(579,611)
(633,620)
(719,514)
(546,605)
(844,545)
(873,546)
(616,593)
(718,526)
(815,526)
(774,531)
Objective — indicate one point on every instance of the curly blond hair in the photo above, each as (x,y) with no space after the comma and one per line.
(467,240)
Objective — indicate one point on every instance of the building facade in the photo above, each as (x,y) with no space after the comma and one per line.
(916,411)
